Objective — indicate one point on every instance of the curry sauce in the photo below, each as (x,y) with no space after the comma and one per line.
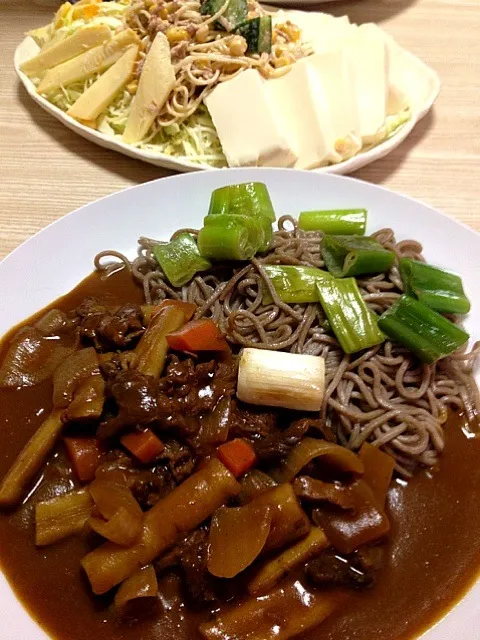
(433,551)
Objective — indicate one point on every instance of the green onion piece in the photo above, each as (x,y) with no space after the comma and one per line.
(355,255)
(230,241)
(353,323)
(425,332)
(260,229)
(247,199)
(434,287)
(294,284)
(180,259)
(339,221)
(254,226)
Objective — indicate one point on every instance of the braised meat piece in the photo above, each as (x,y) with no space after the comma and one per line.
(332,569)
(107,329)
(190,557)
(135,396)
(252,422)
(278,444)
(189,389)
(180,459)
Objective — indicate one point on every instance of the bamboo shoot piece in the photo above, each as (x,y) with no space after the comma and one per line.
(62,516)
(156,82)
(279,379)
(289,520)
(280,615)
(142,584)
(103,92)
(66,49)
(153,347)
(30,460)
(92,61)
(42,35)
(180,512)
(277,568)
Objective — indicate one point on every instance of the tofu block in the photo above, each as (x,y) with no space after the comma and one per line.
(102,92)
(302,112)
(154,86)
(92,61)
(368,54)
(333,70)
(66,49)
(243,115)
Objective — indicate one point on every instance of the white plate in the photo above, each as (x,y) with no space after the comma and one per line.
(57,258)
(423,78)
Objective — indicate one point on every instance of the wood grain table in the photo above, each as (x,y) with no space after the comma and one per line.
(47,171)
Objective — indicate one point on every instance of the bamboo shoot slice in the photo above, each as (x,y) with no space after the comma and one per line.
(156,82)
(92,61)
(66,49)
(103,92)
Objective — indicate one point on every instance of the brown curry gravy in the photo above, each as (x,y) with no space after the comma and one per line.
(433,558)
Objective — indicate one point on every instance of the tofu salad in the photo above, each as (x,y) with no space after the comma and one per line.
(223,83)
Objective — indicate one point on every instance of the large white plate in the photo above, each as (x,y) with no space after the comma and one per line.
(423,78)
(55,260)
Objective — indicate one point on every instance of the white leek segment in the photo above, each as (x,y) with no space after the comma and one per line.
(67,49)
(92,61)
(102,92)
(279,379)
(156,82)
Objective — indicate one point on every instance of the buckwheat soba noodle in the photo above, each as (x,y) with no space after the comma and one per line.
(384,395)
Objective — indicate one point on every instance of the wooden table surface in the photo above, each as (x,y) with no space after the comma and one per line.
(47,171)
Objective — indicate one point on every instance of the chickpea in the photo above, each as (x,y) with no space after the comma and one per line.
(202,32)
(237,46)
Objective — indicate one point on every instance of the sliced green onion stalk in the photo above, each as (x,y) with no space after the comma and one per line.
(259,229)
(247,199)
(434,287)
(180,259)
(355,255)
(425,332)
(353,323)
(294,284)
(256,233)
(229,241)
(334,221)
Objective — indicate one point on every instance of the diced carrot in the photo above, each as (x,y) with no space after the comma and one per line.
(188,308)
(198,335)
(143,444)
(237,455)
(84,454)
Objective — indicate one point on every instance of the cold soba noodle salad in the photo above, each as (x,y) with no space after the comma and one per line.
(245,427)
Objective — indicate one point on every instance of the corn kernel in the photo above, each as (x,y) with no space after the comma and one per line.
(291,31)
(282,61)
(132,87)
(177,34)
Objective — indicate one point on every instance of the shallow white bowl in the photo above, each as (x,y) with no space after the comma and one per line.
(52,262)
(425,80)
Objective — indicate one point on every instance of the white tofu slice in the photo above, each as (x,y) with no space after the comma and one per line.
(368,53)
(66,49)
(334,71)
(401,84)
(92,61)
(243,116)
(332,34)
(302,111)
(154,86)
(102,92)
